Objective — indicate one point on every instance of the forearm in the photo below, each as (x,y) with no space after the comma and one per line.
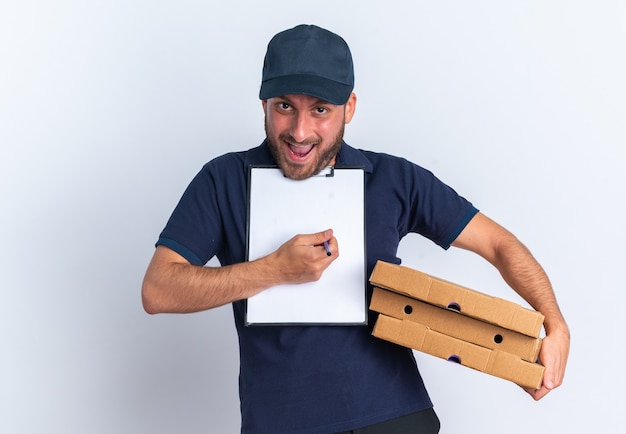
(515,263)
(525,275)
(175,286)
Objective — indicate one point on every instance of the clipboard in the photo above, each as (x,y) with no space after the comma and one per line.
(280,208)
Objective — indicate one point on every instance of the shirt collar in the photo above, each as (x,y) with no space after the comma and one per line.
(351,157)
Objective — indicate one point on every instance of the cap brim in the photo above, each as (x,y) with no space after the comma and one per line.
(301,84)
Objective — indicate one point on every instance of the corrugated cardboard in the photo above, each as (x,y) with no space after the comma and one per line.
(445,294)
(494,362)
(453,324)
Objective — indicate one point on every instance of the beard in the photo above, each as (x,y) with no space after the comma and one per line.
(297,171)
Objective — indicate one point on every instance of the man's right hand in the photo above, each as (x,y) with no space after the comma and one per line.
(303,258)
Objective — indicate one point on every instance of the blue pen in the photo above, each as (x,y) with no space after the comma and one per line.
(327,248)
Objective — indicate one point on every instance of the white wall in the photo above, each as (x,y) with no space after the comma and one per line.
(108,108)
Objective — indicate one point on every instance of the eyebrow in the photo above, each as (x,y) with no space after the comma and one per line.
(318,101)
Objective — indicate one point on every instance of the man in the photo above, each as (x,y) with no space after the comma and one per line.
(326,379)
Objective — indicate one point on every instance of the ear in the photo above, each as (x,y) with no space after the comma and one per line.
(264,102)
(350,108)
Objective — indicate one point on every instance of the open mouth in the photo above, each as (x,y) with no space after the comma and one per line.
(299,152)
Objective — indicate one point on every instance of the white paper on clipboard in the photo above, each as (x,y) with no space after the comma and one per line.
(278,209)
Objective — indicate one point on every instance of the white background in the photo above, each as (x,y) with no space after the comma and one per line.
(108,108)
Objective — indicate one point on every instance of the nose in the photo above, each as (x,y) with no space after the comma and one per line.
(300,127)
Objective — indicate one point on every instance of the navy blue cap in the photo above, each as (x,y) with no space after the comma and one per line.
(308,60)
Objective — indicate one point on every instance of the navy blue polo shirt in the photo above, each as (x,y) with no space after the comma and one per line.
(319,379)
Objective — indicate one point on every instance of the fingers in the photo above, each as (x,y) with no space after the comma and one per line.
(324,239)
(304,258)
(316,239)
(537,394)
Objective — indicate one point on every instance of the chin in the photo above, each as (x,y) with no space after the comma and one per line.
(297,173)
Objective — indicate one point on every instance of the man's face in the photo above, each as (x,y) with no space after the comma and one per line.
(304,132)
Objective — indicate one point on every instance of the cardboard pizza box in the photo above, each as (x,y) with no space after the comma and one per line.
(494,362)
(451,323)
(421,286)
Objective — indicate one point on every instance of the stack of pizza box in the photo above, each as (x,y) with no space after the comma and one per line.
(446,320)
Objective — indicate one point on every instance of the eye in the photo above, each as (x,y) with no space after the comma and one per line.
(321,110)
(283,106)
